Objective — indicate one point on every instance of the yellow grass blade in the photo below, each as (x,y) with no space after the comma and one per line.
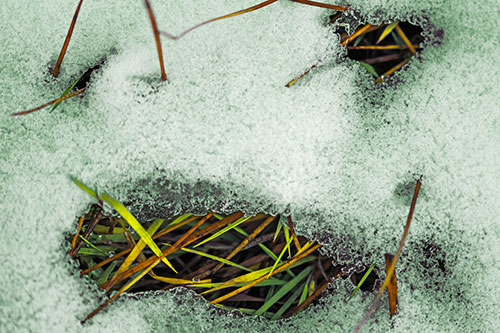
(137,250)
(281,255)
(287,238)
(387,31)
(356,34)
(131,220)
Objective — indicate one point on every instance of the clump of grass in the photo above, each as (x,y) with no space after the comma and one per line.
(235,262)
(256,264)
(383,49)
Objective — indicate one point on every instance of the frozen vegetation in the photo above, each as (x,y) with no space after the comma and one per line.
(336,151)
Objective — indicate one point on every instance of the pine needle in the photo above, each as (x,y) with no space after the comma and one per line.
(55,73)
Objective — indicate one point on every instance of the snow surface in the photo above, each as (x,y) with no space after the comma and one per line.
(338,153)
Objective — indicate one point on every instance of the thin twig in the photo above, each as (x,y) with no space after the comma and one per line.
(49,103)
(157,39)
(250,9)
(55,73)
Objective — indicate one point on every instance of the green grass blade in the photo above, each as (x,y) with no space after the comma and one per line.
(65,93)
(281,255)
(362,280)
(207,255)
(397,38)
(85,188)
(105,275)
(226,229)
(131,220)
(369,68)
(287,304)
(283,290)
(305,290)
(270,293)
(388,29)
(287,238)
(278,229)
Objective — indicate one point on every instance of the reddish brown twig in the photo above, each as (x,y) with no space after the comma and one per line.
(49,103)
(390,271)
(250,9)
(322,5)
(55,73)
(157,39)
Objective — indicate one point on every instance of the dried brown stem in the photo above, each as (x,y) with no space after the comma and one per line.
(390,271)
(49,103)
(322,5)
(157,39)
(250,9)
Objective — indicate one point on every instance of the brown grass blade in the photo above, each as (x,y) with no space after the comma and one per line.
(265,276)
(49,103)
(392,287)
(55,72)
(390,271)
(157,39)
(322,5)
(250,9)
(406,40)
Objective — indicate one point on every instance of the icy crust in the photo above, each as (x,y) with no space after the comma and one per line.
(224,133)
